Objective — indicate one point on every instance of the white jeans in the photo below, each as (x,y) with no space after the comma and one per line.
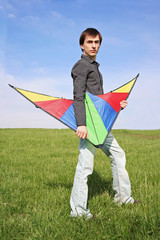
(121,182)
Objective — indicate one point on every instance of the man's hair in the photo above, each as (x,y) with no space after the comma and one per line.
(91,32)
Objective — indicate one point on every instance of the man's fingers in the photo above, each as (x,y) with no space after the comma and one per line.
(82,134)
(79,134)
(123,104)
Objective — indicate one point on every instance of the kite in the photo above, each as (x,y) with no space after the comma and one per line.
(101,110)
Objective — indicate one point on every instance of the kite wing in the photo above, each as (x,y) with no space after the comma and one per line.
(101,110)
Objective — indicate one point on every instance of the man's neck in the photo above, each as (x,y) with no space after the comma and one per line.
(92,58)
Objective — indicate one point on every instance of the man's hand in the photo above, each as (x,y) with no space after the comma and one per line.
(82,132)
(123,104)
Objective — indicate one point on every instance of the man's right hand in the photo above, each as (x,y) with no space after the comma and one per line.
(82,132)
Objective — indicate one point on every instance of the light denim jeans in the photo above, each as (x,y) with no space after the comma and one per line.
(121,182)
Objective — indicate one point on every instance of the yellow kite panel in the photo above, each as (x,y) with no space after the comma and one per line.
(126,88)
(34,97)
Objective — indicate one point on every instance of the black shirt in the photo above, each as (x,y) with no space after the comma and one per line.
(86,77)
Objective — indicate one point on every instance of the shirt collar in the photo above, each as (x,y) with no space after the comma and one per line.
(90,60)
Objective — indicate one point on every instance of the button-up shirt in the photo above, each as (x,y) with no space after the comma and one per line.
(86,77)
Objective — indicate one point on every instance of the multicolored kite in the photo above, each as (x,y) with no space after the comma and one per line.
(101,110)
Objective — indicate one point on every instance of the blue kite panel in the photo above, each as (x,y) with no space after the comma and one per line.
(69,118)
(106,112)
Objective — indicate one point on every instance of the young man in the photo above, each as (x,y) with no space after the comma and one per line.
(86,77)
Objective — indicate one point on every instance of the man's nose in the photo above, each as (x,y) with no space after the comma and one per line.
(93,45)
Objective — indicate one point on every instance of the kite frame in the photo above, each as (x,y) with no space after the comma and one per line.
(97,146)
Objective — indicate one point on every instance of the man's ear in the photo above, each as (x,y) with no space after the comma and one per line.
(82,47)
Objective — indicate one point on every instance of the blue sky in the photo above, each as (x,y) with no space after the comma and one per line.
(39,45)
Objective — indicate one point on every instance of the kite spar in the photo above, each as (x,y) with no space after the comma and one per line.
(101,110)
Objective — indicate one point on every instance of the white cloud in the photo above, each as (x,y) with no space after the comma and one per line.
(40,70)
(56,14)
(11,15)
(31,19)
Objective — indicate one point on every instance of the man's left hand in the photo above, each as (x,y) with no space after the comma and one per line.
(123,104)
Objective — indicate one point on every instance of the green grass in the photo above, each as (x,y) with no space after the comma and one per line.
(37,172)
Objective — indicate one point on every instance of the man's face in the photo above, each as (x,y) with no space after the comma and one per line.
(91,46)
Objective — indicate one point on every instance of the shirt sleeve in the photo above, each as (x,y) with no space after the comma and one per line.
(79,74)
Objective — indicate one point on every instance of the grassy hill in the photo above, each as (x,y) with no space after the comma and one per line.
(37,172)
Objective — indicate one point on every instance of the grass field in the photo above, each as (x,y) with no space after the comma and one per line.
(37,172)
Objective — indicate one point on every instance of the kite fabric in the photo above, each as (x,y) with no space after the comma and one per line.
(101,110)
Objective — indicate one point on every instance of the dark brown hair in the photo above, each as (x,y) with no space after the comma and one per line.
(89,31)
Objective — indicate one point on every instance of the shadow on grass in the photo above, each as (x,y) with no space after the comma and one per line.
(96,185)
